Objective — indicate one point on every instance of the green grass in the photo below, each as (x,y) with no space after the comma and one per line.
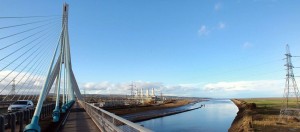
(269,106)
(270,102)
(266,115)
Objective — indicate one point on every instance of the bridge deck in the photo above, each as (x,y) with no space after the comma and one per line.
(79,121)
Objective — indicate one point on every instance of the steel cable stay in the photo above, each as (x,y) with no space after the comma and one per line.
(15,17)
(46,29)
(23,60)
(26,24)
(7,62)
(10,81)
(30,83)
(24,52)
(38,74)
(12,72)
(42,69)
(44,60)
(32,60)
(23,82)
(30,78)
(43,35)
(33,97)
(25,31)
(29,87)
(26,67)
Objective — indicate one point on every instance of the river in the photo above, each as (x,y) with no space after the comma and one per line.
(216,116)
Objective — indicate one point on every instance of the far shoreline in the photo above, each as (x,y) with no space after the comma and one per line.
(138,114)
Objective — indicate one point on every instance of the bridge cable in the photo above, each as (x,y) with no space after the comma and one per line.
(34,96)
(23,60)
(22,48)
(29,23)
(30,17)
(25,31)
(31,89)
(38,76)
(30,68)
(35,78)
(50,27)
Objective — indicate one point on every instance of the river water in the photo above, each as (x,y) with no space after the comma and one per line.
(216,116)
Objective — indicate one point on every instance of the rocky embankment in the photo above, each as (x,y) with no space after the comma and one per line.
(243,119)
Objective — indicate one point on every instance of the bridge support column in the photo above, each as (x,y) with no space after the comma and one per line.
(55,73)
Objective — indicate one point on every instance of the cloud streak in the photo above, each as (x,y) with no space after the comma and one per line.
(222,25)
(223,89)
(217,6)
(257,88)
(247,45)
(125,88)
(203,31)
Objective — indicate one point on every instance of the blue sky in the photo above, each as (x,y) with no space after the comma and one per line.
(186,48)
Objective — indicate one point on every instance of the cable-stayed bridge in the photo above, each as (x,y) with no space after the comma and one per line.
(35,64)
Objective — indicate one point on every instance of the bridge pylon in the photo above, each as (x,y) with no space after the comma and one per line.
(58,67)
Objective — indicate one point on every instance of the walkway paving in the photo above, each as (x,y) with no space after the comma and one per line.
(79,121)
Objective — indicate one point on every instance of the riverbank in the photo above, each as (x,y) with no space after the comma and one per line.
(142,116)
(261,114)
(138,109)
(141,113)
(242,121)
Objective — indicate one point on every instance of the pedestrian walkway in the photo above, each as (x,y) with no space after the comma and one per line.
(79,121)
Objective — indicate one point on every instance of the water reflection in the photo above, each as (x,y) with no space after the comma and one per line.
(217,115)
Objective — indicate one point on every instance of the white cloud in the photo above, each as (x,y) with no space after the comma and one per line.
(247,45)
(124,88)
(24,82)
(222,25)
(217,6)
(259,88)
(203,30)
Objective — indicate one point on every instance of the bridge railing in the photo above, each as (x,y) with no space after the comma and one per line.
(109,122)
(17,120)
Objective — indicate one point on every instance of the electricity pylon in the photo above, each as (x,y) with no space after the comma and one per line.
(290,104)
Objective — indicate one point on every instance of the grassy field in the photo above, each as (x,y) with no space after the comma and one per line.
(269,102)
(265,117)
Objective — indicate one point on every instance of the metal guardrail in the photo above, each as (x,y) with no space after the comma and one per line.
(109,122)
(21,118)
(5,104)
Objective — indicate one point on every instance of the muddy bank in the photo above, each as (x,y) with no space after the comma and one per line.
(141,116)
(243,119)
